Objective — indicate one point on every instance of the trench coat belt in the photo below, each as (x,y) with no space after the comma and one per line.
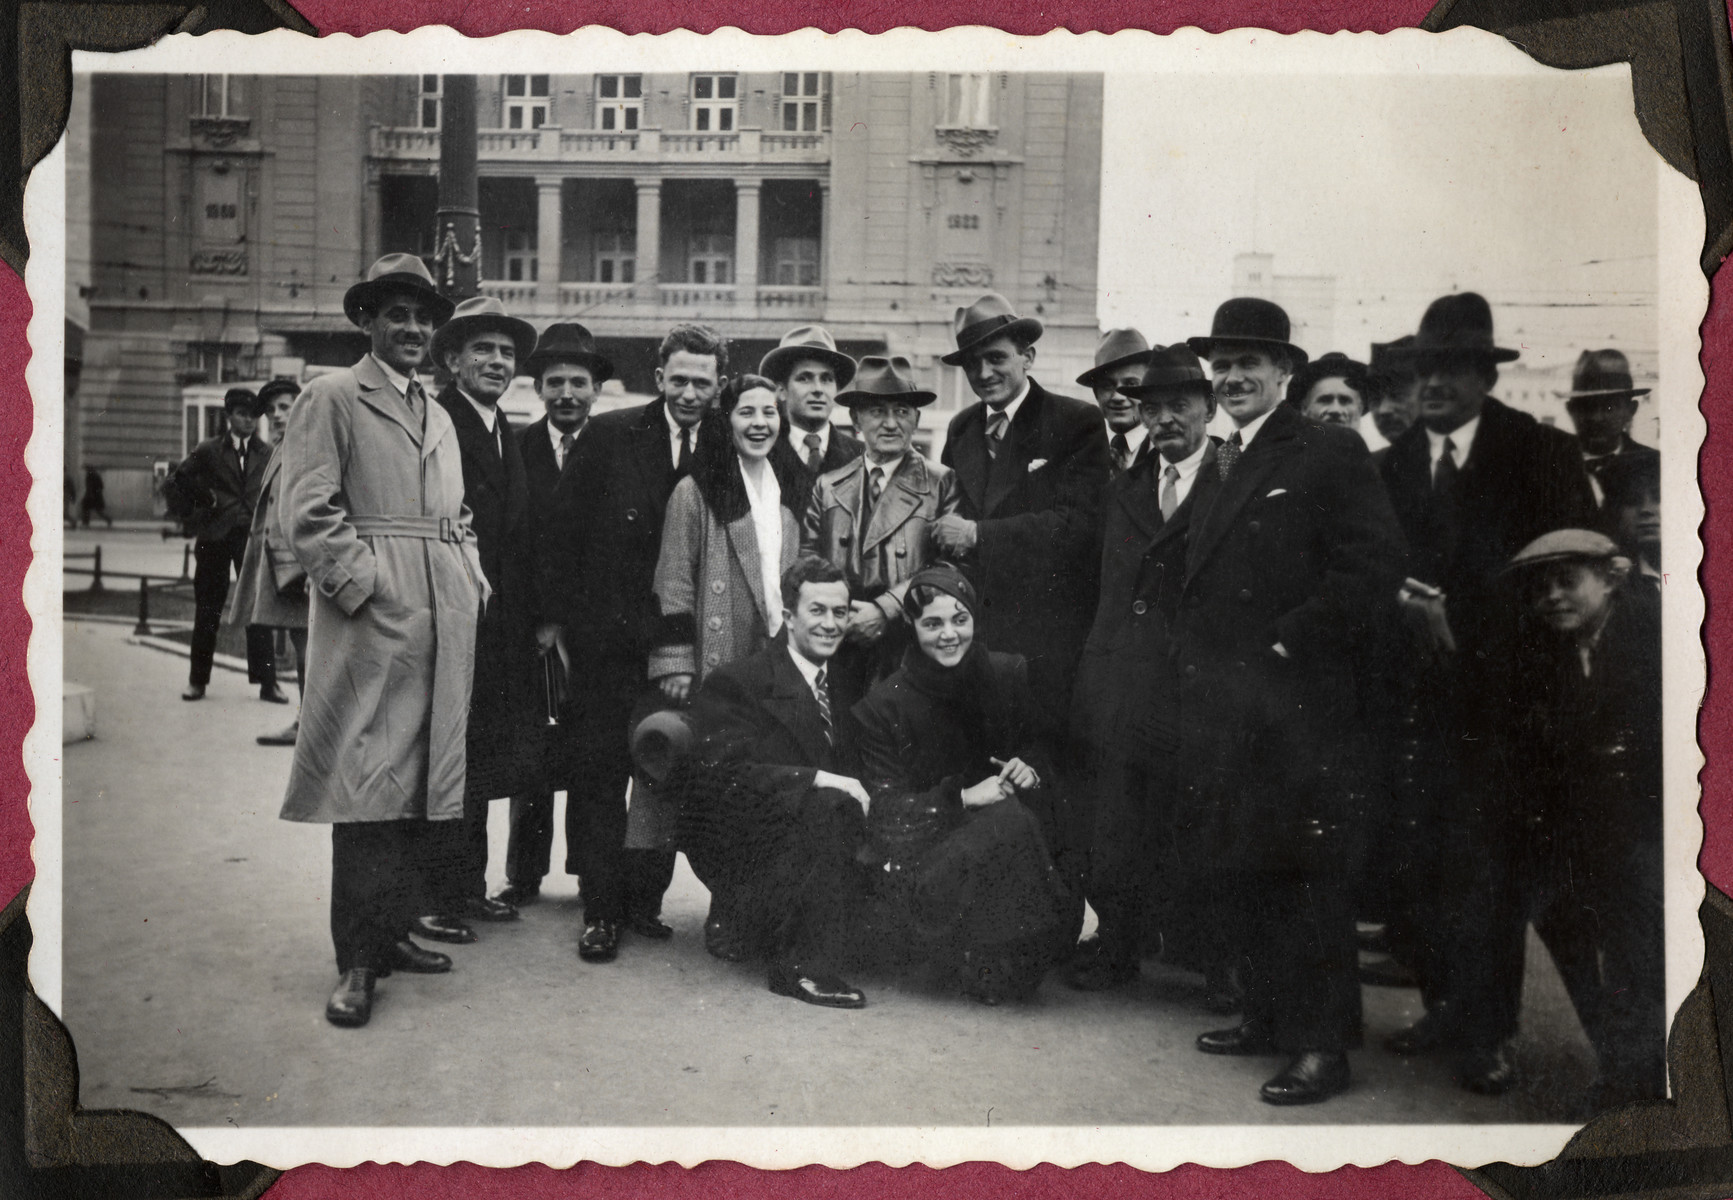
(433,529)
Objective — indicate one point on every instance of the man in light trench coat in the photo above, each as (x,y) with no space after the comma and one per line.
(372,506)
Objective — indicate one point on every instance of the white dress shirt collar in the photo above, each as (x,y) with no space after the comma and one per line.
(1462,438)
(676,433)
(1012,405)
(1134,438)
(1249,430)
(400,382)
(808,669)
(554,436)
(888,468)
(1187,468)
(797,438)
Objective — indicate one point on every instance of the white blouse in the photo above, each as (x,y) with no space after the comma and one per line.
(767,528)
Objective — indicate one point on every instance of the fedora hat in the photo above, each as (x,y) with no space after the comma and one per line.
(480,313)
(1172,368)
(987,318)
(568,342)
(1601,373)
(660,741)
(1117,348)
(395,273)
(808,341)
(882,378)
(1458,324)
(1251,321)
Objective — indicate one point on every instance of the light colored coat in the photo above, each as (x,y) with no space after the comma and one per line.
(268,567)
(392,633)
(897,542)
(709,573)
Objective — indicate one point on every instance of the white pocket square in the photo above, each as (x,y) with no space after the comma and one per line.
(1277,492)
(1037,464)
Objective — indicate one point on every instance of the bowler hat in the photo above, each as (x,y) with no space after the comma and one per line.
(477,315)
(240,398)
(659,741)
(882,378)
(395,273)
(275,388)
(808,341)
(1562,545)
(1601,373)
(568,342)
(1458,324)
(987,318)
(1251,321)
(1117,348)
(1172,368)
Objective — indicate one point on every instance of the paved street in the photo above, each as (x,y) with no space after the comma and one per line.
(133,547)
(197,962)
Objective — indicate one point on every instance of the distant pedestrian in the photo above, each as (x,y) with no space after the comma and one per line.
(94,500)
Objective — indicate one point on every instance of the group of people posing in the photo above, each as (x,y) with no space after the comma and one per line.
(901,715)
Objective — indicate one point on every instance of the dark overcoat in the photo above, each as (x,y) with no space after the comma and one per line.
(223,496)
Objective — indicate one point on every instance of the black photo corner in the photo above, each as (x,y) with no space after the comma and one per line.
(1682,69)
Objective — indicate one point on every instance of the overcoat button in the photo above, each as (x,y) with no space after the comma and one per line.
(717,586)
(1245,593)
(1254,526)
(714,623)
(712,659)
(902,550)
(1139,607)
(1191,670)
(631,514)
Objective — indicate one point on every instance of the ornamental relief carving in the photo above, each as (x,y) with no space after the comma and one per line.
(962,275)
(219,262)
(219,133)
(965,142)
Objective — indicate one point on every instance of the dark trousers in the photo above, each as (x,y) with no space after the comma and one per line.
(1130,857)
(825,884)
(1299,966)
(213,561)
(376,887)
(454,860)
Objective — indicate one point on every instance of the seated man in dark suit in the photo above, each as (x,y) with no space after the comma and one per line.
(768,821)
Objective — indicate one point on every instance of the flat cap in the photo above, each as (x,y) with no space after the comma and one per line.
(1561,545)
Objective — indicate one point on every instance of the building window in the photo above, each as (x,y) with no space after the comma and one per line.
(713,102)
(619,101)
(520,256)
(802,101)
(796,262)
(216,96)
(216,362)
(526,101)
(968,102)
(432,88)
(711,259)
(616,258)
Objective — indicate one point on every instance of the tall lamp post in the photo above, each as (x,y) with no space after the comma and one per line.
(457,228)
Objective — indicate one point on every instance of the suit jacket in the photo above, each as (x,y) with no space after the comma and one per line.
(880,559)
(758,711)
(1297,547)
(842,449)
(542,473)
(1628,447)
(224,496)
(1037,508)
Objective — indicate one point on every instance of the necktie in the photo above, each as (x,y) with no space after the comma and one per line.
(821,693)
(1444,475)
(412,397)
(996,426)
(241,453)
(1121,452)
(814,455)
(1228,455)
(566,440)
(1169,491)
(685,464)
(875,489)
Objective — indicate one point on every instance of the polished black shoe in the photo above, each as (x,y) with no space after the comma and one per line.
(352,1003)
(1099,973)
(481,908)
(519,894)
(1313,1076)
(814,987)
(287,737)
(649,926)
(1486,1070)
(1435,1031)
(1250,1037)
(195,691)
(270,693)
(442,929)
(417,960)
(600,943)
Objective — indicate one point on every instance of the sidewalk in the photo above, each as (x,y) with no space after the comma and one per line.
(197,963)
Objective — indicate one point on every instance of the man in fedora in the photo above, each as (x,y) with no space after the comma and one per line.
(873,518)
(807,369)
(1472,482)
(372,506)
(480,347)
(568,374)
(1284,573)
(1120,357)
(1602,403)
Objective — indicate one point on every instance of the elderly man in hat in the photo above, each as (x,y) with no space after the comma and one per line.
(1579,723)
(1332,390)
(221,479)
(1120,357)
(1602,403)
(1125,710)
(873,518)
(480,347)
(568,374)
(807,369)
(372,506)
(1283,574)
(1472,483)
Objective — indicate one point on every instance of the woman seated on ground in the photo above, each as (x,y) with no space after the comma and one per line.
(963,802)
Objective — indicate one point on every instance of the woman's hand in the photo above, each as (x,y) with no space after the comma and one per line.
(989,791)
(1017,774)
(676,687)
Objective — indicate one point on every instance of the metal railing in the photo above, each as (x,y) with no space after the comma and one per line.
(145,586)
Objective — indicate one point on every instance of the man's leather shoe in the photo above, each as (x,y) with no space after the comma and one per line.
(1250,1037)
(519,894)
(1486,1070)
(1434,1031)
(1099,973)
(649,926)
(721,941)
(195,691)
(443,929)
(600,943)
(481,908)
(1313,1076)
(814,987)
(286,738)
(417,960)
(352,1003)
(270,693)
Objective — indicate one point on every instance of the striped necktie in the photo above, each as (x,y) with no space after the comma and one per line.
(996,426)
(821,693)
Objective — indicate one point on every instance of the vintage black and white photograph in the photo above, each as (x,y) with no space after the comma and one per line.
(822,599)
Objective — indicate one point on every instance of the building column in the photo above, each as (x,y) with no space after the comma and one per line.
(824,236)
(549,193)
(372,216)
(649,241)
(746,195)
